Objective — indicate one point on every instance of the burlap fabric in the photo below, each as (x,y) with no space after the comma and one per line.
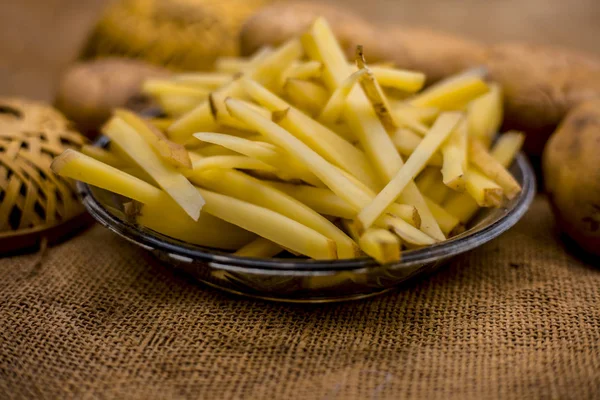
(518,318)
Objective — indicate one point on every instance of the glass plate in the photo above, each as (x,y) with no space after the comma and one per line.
(302,280)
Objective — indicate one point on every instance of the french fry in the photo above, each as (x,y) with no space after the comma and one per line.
(406,141)
(271,225)
(231,65)
(306,95)
(484,115)
(334,107)
(322,200)
(102,155)
(264,152)
(375,94)
(406,81)
(424,115)
(487,164)
(209,80)
(177,105)
(246,188)
(207,231)
(263,68)
(441,129)
(213,150)
(301,70)
(160,87)
(454,153)
(381,245)
(411,122)
(507,147)
(161,123)
(462,205)
(320,44)
(259,248)
(201,164)
(172,152)
(482,189)
(431,185)
(406,232)
(448,223)
(169,179)
(327,144)
(451,95)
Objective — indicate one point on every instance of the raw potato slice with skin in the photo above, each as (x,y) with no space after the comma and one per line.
(207,231)
(236,184)
(441,129)
(480,158)
(332,111)
(172,181)
(483,190)
(320,44)
(381,245)
(174,153)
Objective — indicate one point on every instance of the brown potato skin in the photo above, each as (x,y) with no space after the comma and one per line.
(571,165)
(541,83)
(89,91)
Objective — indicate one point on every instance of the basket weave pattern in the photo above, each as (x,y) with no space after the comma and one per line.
(32,198)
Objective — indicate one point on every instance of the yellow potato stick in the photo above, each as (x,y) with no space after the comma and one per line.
(451,95)
(406,81)
(484,115)
(325,171)
(201,164)
(263,68)
(306,95)
(406,232)
(406,141)
(411,122)
(264,152)
(244,187)
(431,185)
(381,245)
(177,105)
(462,205)
(507,147)
(159,87)
(301,70)
(479,157)
(322,200)
(259,248)
(448,222)
(482,189)
(332,111)
(375,94)
(327,144)
(271,225)
(104,156)
(231,65)
(172,152)
(207,231)
(454,153)
(262,95)
(440,131)
(169,179)
(161,123)
(212,150)
(78,166)
(424,115)
(220,114)
(210,80)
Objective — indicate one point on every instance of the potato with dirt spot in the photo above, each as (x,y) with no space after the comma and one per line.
(572,174)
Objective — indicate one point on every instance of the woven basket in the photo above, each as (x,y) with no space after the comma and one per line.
(34,203)
(180,34)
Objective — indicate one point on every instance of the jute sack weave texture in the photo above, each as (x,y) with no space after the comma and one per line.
(518,318)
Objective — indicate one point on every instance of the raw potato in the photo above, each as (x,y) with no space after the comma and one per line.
(571,165)
(89,91)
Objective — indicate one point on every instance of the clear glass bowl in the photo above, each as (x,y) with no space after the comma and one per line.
(302,280)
